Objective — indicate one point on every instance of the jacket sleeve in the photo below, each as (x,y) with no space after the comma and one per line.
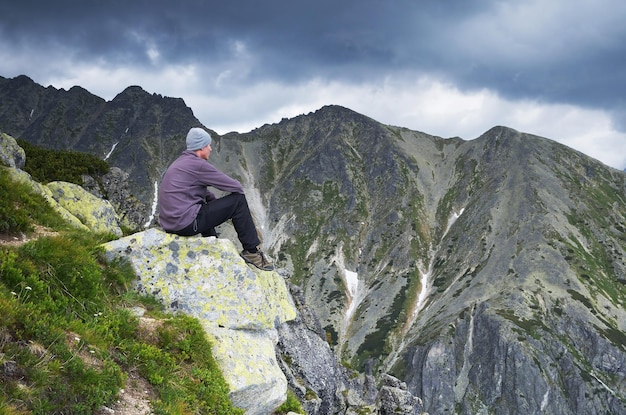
(211,176)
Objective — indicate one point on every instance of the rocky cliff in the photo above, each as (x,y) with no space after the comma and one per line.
(489,274)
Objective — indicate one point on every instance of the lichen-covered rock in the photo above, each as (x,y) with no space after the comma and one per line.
(11,154)
(248,360)
(95,213)
(77,206)
(206,278)
(239,307)
(21,176)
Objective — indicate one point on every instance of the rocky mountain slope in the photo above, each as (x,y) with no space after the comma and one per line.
(489,274)
(136,131)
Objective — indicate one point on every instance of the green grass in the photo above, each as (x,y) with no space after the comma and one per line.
(20,207)
(68,338)
(291,405)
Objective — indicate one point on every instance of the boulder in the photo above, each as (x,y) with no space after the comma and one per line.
(77,206)
(239,307)
(395,398)
(95,213)
(11,154)
(21,176)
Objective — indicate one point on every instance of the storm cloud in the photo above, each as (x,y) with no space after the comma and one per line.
(449,68)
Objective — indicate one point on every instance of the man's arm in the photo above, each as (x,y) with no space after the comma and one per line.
(215,178)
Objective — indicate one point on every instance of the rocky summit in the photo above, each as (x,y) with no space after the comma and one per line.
(485,275)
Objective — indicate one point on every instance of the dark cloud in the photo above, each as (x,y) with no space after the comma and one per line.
(570,52)
(318,35)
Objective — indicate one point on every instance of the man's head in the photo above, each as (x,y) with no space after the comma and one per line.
(197,139)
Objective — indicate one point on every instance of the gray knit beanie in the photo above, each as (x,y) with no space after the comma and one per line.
(197,138)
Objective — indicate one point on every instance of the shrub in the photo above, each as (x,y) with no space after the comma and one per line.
(291,405)
(46,165)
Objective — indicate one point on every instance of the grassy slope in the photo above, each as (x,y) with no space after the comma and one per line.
(68,337)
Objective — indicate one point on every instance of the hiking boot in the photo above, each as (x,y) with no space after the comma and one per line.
(257,259)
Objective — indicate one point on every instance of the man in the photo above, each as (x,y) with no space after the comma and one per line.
(187,207)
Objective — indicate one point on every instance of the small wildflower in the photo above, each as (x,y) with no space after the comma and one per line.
(77,338)
(14,293)
(27,288)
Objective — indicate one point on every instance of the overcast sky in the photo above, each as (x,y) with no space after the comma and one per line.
(555,68)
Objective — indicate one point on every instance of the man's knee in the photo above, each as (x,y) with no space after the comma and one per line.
(240,200)
(239,196)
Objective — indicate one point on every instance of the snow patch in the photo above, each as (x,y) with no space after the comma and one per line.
(352,283)
(313,248)
(427,274)
(604,385)
(425,283)
(453,219)
(154,203)
(545,400)
(111,151)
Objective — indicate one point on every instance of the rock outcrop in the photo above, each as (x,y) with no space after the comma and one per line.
(114,187)
(11,154)
(95,213)
(240,308)
(79,207)
(263,339)
(395,399)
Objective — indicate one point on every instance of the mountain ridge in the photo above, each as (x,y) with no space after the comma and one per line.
(135,131)
(520,205)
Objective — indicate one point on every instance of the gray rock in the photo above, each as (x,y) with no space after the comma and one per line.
(395,399)
(240,308)
(11,154)
(95,213)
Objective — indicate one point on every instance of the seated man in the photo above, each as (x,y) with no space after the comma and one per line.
(187,207)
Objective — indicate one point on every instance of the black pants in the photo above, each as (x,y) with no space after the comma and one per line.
(233,206)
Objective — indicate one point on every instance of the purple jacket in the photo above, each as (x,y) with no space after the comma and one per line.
(183,189)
